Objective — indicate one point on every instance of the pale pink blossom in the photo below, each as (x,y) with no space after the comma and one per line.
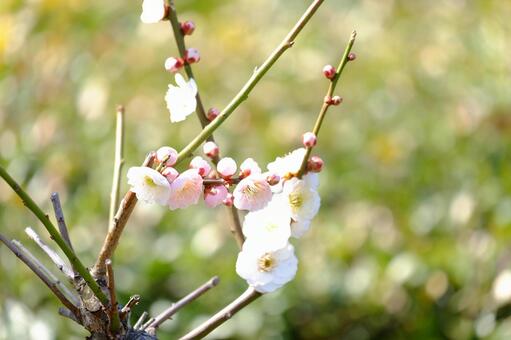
(170,174)
(168,153)
(210,149)
(226,167)
(252,193)
(201,165)
(148,184)
(309,139)
(185,190)
(152,11)
(215,195)
(180,99)
(249,167)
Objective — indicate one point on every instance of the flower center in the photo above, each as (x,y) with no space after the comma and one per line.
(252,189)
(149,181)
(295,200)
(266,262)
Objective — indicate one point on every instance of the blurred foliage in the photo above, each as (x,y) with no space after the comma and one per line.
(415,223)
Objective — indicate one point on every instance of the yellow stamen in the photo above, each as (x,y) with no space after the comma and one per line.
(266,262)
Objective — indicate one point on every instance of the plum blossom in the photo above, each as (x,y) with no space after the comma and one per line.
(149,185)
(298,229)
(201,165)
(180,99)
(215,195)
(226,167)
(266,267)
(303,200)
(185,190)
(249,166)
(287,165)
(252,193)
(167,153)
(269,225)
(153,11)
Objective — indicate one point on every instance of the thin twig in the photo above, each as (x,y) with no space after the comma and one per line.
(235,226)
(59,215)
(169,312)
(144,326)
(47,281)
(140,320)
(113,312)
(225,314)
(118,163)
(251,83)
(69,295)
(132,302)
(56,259)
(73,259)
(119,222)
(326,103)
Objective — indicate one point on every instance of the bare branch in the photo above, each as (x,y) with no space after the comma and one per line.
(132,302)
(69,295)
(144,326)
(236,229)
(167,314)
(225,314)
(141,320)
(113,312)
(61,265)
(59,215)
(118,163)
(119,222)
(47,281)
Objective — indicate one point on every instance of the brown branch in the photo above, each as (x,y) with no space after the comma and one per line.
(59,215)
(235,226)
(53,286)
(169,312)
(113,312)
(119,222)
(225,314)
(132,302)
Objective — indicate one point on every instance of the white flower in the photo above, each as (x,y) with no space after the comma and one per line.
(298,229)
(186,189)
(149,185)
(180,99)
(252,193)
(289,164)
(265,267)
(270,225)
(152,11)
(303,201)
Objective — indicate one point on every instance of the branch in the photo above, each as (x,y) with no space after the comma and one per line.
(140,320)
(47,281)
(119,222)
(118,163)
(132,302)
(235,227)
(225,314)
(113,312)
(251,83)
(75,262)
(54,257)
(326,102)
(167,314)
(59,215)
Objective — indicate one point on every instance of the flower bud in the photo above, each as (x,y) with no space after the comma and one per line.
(192,55)
(212,113)
(248,167)
(229,200)
(226,167)
(210,149)
(173,64)
(352,56)
(187,27)
(170,174)
(201,165)
(167,154)
(335,100)
(215,195)
(329,71)
(273,179)
(309,139)
(315,164)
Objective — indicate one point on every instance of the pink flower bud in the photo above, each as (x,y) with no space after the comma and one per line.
(192,55)
(226,167)
(315,164)
(168,154)
(201,165)
(329,71)
(309,139)
(173,65)
(187,27)
(170,174)
(352,56)
(212,113)
(248,167)
(273,179)
(210,149)
(216,195)
(336,100)
(229,200)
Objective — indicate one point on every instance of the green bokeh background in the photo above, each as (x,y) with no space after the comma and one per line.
(415,221)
